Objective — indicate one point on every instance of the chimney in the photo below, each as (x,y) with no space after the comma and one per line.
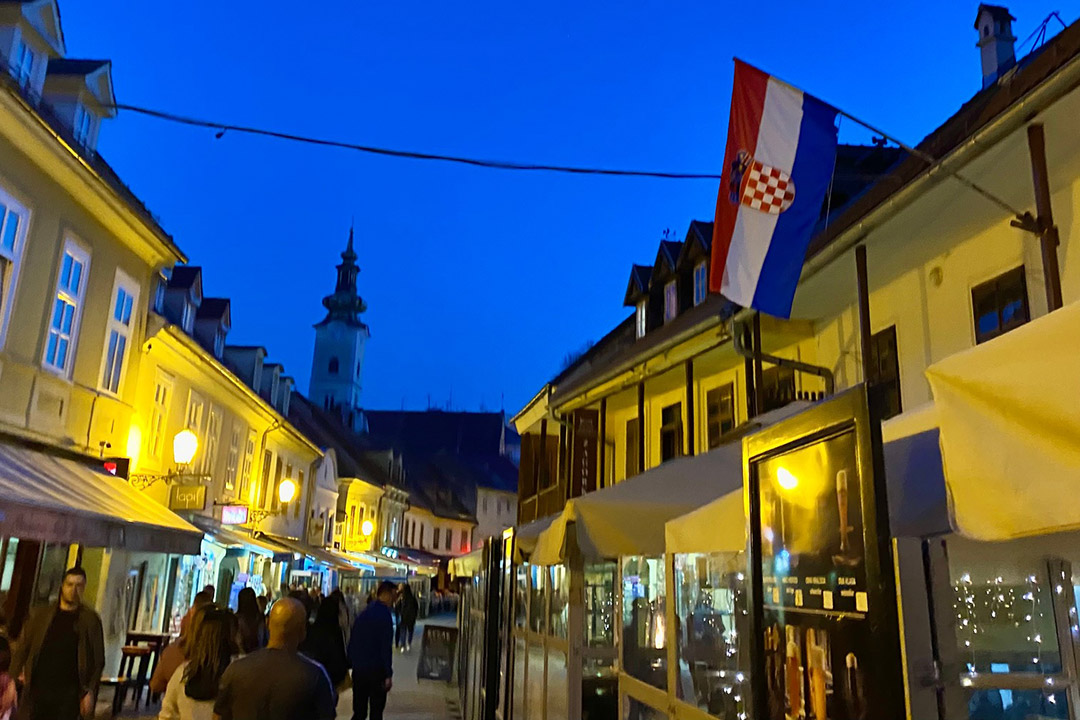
(996,42)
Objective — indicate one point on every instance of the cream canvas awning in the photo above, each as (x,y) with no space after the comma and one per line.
(57,499)
(628,518)
(467,565)
(719,526)
(1010,429)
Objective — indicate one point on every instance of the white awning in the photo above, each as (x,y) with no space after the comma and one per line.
(719,526)
(57,499)
(1010,429)
(628,518)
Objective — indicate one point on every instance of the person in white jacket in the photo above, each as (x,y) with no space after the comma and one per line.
(194,686)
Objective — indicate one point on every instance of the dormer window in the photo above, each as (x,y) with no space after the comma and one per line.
(84,125)
(701,283)
(332,366)
(671,301)
(23,66)
(639,318)
(219,343)
(187,318)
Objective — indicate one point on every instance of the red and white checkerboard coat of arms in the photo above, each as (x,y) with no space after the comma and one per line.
(767,189)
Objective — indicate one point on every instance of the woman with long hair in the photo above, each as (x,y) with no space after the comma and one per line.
(325,643)
(251,621)
(194,686)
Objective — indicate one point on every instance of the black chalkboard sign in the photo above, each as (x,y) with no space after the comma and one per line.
(437,652)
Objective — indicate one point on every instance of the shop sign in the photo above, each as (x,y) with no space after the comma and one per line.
(234,514)
(824,602)
(187,497)
(583,463)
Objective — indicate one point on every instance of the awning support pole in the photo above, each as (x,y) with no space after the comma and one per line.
(864,314)
(740,348)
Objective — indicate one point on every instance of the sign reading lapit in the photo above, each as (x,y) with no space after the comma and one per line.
(187,497)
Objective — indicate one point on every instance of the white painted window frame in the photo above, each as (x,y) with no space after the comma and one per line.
(78,253)
(701,291)
(640,315)
(131,288)
(159,415)
(13,257)
(671,300)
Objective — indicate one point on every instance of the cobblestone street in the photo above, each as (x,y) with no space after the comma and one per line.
(411,699)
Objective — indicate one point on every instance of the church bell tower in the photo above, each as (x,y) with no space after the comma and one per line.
(340,337)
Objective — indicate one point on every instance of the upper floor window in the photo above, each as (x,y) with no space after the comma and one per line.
(118,332)
(23,66)
(232,460)
(187,316)
(633,447)
(213,438)
(84,125)
(437,534)
(701,283)
(719,412)
(332,367)
(67,308)
(1000,305)
(886,364)
(159,416)
(12,234)
(219,343)
(449,538)
(464,541)
(639,318)
(671,301)
(671,432)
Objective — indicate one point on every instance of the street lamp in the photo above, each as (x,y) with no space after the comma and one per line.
(367,527)
(286,490)
(185,446)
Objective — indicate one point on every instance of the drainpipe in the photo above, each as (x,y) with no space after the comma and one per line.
(756,354)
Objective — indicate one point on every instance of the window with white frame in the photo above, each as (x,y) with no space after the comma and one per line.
(232,460)
(12,238)
(187,317)
(118,331)
(701,283)
(193,419)
(213,439)
(84,125)
(249,460)
(219,343)
(23,64)
(159,414)
(67,308)
(639,318)
(671,301)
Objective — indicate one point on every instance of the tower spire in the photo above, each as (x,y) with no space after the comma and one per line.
(345,303)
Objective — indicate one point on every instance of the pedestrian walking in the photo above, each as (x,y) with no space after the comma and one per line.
(175,653)
(409,609)
(251,621)
(325,643)
(277,682)
(60,656)
(371,654)
(193,687)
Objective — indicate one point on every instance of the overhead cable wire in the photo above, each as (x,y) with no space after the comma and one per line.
(411,154)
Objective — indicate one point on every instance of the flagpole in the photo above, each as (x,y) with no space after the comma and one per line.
(925,156)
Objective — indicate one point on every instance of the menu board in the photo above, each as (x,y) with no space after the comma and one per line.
(437,652)
(812,530)
(815,598)
(823,604)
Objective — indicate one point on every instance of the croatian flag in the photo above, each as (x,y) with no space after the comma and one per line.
(781,148)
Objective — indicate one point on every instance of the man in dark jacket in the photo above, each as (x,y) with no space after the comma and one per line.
(371,654)
(60,656)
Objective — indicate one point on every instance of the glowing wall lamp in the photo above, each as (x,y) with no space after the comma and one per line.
(286,491)
(367,528)
(185,446)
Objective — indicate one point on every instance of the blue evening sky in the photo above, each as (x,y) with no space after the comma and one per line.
(478,282)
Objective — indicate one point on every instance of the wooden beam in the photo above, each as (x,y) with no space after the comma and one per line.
(864,314)
(690,448)
(1047,231)
(601,442)
(641,426)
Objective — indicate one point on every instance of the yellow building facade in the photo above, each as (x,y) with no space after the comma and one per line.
(947,270)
